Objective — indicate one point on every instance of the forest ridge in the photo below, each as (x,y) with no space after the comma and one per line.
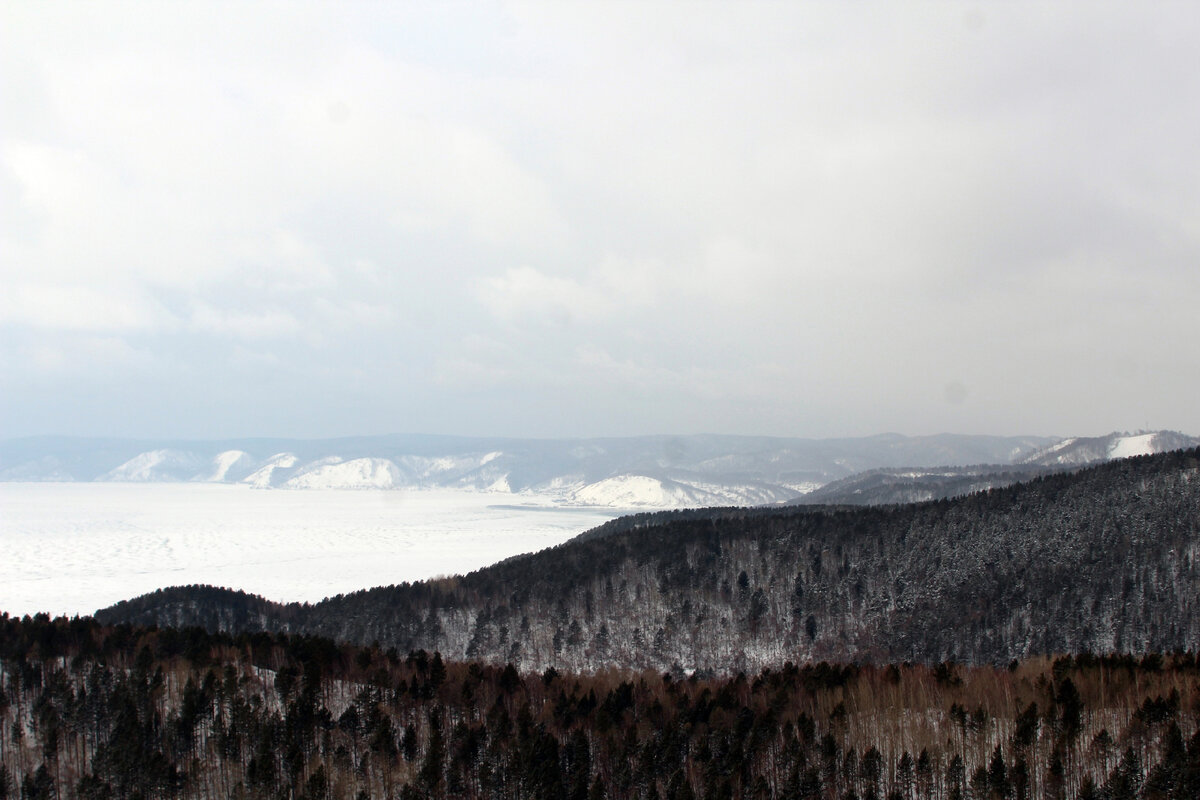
(1100,560)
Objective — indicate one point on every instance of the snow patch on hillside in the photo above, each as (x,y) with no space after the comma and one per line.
(231,465)
(1113,446)
(357,473)
(156,465)
(803,487)
(445,468)
(1054,448)
(1074,450)
(641,491)
(1128,446)
(262,477)
(564,484)
(742,494)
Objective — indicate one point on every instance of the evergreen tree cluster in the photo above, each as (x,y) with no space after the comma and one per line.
(93,711)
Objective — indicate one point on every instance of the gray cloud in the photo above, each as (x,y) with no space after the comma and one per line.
(562,219)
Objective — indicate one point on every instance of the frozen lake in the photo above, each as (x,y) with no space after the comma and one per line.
(72,548)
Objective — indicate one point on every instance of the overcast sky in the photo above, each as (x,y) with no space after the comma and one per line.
(559,220)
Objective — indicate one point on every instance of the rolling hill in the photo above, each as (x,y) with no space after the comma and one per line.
(1103,559)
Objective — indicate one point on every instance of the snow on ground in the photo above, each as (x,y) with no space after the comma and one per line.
(227,465)
(1054,448)
(1127,446)
(262,476)
(738,494)
(640,491)
(803,487)
(563,484)
(71,548)
(358,473)
(155,465)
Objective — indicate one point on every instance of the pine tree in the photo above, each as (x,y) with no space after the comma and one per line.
(433,768)
(1167,777)
(1125,781)
(997,775)
(904,775)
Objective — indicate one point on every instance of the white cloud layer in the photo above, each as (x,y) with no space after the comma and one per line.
(555,219)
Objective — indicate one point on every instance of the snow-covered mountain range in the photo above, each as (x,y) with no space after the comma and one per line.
(637,472)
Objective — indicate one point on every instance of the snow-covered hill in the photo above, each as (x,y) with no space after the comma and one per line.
(357,473)
(158,465)
(265,476)
(231,465)
(1089,450)
(641,491)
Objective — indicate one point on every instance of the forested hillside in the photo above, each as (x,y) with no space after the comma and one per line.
(1102,560)
(893,486)
(112,712)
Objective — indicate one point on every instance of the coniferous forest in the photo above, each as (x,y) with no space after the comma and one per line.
(1032,641)
(92,711)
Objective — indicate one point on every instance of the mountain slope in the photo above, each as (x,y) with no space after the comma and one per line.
(1104,559)
(889,486)
(357,473)
(158,465)
(1089,450)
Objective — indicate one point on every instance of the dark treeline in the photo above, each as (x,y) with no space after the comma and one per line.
(90,711)
(1105,559)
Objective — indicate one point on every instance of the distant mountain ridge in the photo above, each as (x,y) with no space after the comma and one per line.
(634,472)
(637,472)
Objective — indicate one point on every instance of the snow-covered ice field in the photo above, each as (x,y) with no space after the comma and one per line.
(72,548)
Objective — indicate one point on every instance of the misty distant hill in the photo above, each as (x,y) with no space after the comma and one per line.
(915,485)
(1090,450)
(645,471)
